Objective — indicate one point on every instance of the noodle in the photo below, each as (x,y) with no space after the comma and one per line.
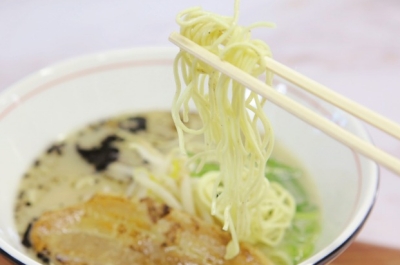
(239,195)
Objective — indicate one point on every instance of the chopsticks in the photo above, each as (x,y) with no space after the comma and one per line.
(334,98)
(330,128)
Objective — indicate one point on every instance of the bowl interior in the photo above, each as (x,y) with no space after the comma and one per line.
(56,100)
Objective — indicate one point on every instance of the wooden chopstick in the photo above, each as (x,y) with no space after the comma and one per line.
(257,86)
(334,98)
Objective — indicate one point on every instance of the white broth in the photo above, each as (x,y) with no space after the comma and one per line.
(86,162)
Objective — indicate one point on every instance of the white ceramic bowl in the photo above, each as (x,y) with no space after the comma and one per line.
(66,96)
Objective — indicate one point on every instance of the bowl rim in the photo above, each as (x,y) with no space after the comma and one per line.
(323,256)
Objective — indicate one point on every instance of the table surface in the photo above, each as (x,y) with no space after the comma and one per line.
(353,47)
(356,254)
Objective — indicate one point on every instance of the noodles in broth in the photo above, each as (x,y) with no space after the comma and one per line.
(224,179)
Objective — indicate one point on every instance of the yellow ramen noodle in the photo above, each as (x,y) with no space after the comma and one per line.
(239,195)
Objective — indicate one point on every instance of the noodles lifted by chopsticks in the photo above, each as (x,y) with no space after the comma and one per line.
(250,207)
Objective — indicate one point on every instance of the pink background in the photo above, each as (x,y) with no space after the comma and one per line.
(353,47)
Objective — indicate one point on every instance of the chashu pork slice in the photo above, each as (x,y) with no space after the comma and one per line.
(109,230)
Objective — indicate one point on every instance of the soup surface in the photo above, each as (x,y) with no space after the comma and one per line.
(98,159)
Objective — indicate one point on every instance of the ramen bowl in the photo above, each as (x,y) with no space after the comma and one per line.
(56,100)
